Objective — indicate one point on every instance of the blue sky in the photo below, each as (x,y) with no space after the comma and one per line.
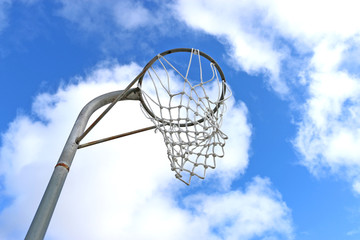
(292,164)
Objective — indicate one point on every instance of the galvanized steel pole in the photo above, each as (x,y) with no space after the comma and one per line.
(48,202)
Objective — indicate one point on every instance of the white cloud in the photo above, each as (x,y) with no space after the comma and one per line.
(324,37)
(94,15)
(329,134)
(4,5)
(124,188)
(261,33)
(239,139)
(244,215)
(242,25)
(116,23)
(89,17)
(138,16)
(309,22)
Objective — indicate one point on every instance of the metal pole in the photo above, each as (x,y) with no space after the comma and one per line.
(48,202)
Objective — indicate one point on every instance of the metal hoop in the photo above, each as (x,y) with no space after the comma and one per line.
(177,50)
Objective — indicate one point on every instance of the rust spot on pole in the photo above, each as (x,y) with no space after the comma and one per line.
(63,165)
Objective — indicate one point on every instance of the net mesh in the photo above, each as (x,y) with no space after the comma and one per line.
(187,108)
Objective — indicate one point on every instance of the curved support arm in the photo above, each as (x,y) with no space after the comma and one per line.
(48,202)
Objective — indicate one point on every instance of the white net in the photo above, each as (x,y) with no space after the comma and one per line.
(186,104)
